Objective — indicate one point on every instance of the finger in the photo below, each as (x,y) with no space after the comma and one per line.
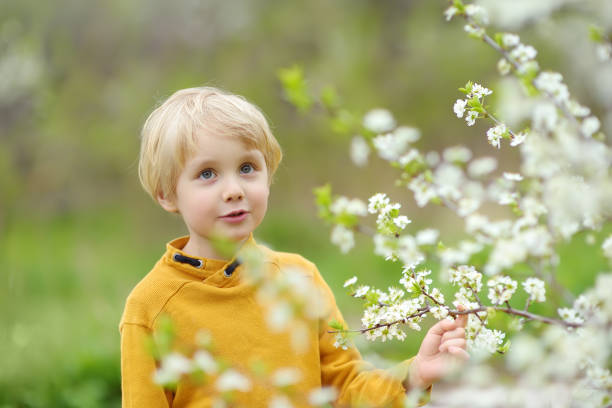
(459,353)
(458,333)
(446,346)
(442,327)
(461,320)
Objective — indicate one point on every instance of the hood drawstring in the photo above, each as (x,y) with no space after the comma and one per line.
(198,263)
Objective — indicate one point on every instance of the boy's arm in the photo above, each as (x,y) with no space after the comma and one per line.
(137,367)
(356,380)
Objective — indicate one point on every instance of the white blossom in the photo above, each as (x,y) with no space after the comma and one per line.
(604,51)
(459,107)
(467,205)
(350,281)
(607,247)
(322,396)
(349,206)
(432,158)
(510,40)
(387,209)
(505,254)
(391,146)
(487,340)
(377,202)
(408,251)
(501,289)
(401,221)
(427,236)
(412,155)
(495,134)
(379,120)
(589,126)
(535,289)
(203,360)
(279,316)
(437,295)
(577,109)
(475,31)
(384,246)
(341,342)
(362,291)
(503,66)
(343,237)
(457,154)
(450,12)
(478,13)
(286,376)
(523,53)
(550,82)
(407,134)
(518,139)
(280,401)
(479,91)
(570,315)
(465,275)
(233,380)
(439,312)
(482,166)
(545,117)
(423,190)
(471,117)
(360,151)
(172,367)
(513,176)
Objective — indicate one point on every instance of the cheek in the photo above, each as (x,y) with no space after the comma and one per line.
(260,197)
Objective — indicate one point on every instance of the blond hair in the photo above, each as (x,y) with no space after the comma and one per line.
(169,135)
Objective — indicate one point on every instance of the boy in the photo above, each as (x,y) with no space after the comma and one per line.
(210,157)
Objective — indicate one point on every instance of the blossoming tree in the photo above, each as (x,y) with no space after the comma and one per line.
(564,187)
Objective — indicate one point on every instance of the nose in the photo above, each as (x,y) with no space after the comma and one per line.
(232,191)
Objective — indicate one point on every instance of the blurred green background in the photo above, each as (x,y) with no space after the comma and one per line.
(77,80)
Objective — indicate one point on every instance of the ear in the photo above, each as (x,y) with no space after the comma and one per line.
(166,203)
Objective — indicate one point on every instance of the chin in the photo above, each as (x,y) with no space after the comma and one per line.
(238,236)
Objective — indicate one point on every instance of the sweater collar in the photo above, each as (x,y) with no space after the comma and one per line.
(216,272)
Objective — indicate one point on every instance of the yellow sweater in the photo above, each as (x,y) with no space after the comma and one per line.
(205,298)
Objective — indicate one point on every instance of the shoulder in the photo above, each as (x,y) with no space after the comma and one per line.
(148,298)
(285,259)
(288,260)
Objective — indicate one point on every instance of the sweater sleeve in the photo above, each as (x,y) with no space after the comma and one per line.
(358,382)
(137,367)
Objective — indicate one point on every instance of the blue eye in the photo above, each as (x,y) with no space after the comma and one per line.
(246,168)
(207,174)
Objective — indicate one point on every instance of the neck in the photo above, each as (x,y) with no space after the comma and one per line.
(205,249)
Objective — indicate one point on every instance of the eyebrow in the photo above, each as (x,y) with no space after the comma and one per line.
(213,162)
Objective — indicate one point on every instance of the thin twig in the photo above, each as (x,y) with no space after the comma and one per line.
(505,309)
(487,39)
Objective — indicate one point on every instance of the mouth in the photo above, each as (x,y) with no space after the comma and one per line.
(235,214)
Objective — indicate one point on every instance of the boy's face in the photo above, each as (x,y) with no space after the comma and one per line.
(222,190)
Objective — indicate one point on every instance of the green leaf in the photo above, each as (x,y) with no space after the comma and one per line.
(323,195)
(459,5)
(504,348)
(498,37)
(334,324)
(259,368)
(224,245)
(329,97)
(348,220)
(342,122)
(295,87)
(596,34)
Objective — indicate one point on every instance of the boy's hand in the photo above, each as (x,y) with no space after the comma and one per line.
(443,345)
